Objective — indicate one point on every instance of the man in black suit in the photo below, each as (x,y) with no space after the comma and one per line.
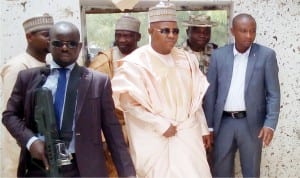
(91,113)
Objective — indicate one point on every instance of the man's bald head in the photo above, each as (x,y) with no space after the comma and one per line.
(63,28)
(244,31)
(64,43)
(241,17)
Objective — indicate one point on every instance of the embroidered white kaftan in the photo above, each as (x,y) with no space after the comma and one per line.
(155,91)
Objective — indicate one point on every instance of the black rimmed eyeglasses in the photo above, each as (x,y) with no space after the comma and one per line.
(69,44)
(167,31)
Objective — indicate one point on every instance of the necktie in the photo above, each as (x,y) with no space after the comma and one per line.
(60,95)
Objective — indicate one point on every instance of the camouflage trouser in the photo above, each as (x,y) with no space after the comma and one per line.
(112,171)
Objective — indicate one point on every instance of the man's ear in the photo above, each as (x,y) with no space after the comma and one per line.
(138,37)
(79,46)
(29,37)
(232,31)
(150,30)
(48,42)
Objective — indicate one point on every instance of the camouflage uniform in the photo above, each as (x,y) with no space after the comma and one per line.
(202,56)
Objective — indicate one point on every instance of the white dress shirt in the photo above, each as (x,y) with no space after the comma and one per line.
(236,95)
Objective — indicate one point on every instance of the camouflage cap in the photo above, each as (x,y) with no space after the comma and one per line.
(199,21)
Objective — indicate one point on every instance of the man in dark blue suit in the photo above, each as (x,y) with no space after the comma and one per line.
(87,110)
(243,100)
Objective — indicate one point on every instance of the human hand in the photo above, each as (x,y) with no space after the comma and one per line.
(266,134)
(208,141)
(37,151)
(211,134)
(171,131)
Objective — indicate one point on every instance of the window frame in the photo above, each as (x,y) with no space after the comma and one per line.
(106,6)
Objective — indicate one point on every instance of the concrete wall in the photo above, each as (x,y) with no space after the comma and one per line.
(277,22)
(278,27)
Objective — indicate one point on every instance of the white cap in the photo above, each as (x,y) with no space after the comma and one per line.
(38,23)
(128,23)
(162,12)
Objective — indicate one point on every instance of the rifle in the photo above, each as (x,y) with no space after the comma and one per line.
(45,118)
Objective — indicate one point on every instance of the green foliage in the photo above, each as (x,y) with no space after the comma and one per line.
(100,27)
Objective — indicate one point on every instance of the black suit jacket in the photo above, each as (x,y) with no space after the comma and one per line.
(94,113)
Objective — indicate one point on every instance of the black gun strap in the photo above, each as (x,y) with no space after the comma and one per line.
(66,132)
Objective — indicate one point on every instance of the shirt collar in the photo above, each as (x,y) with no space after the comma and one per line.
(53,65)
(246,53)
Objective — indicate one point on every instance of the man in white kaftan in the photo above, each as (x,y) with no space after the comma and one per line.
(37,36)
(160,89)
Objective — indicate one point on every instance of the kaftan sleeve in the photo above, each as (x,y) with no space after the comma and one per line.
(149,119)
(9,75)
(203,122)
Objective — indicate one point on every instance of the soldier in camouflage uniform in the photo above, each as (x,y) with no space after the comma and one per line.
(199,32)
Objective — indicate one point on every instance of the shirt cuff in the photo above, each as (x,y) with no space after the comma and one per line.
(31,140)
(210,129)
(269,128)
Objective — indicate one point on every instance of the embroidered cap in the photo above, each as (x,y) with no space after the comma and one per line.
(128,23)
(38,23)
(163,11)
(199,21)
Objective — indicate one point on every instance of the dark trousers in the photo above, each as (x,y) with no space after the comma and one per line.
(35,169)
(234,134)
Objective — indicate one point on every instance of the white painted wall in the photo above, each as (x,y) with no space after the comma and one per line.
(12,36)
(278,23)
(13,13)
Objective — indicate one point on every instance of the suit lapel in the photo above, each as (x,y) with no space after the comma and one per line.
(84,84)
(250,65)
(229,59)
